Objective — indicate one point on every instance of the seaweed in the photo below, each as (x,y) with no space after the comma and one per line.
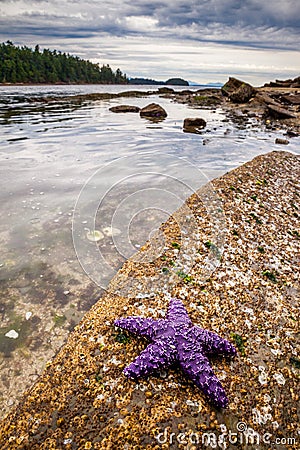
(239,342)
(270,275)
(295,362)
(122,338)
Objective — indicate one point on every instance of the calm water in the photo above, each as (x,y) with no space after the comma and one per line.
(135,174)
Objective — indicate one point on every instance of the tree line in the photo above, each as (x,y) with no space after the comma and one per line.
(25,65)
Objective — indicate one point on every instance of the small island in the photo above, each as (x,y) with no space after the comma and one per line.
(177,82)
(149,81)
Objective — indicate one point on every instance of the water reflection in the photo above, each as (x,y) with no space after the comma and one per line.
(48,152)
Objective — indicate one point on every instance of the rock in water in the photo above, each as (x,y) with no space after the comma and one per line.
(281,141)
(193,125)
(153,110)
(125,109)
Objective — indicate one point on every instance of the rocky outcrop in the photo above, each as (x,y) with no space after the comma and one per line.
(292,99)
(232,85)
(193,125)
(153,111)
(243,94)
(83,400)
(203,100)
(284,83)
(238,91)
(165,90)
(279,113)
(125,109)
(185,92)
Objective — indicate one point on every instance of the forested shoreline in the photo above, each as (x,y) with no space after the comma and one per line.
(25,65)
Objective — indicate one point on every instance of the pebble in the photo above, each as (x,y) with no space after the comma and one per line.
(12,334)
(281,141)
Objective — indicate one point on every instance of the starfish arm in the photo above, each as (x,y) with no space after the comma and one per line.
(213,344)
(198,369)
(177,312)
(139,325)
(156,356)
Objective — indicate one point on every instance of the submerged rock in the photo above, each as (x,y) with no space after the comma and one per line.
(125,109)
(94,235)
(12,334)
(153,110)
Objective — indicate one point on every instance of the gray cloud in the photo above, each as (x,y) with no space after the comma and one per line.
(86,28)
(234,21)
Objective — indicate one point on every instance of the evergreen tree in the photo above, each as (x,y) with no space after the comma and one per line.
(24,65)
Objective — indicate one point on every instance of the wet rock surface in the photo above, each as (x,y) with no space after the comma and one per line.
(242,94)
(281,141)
(238,91)
(83,400)
(290,83)
(274,105)
(125,109)
(153,110)
(193,125)
(279,113)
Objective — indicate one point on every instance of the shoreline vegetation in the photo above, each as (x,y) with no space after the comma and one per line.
(23,65)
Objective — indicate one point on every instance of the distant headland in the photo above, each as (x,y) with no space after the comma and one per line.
(170,81)
(33,66)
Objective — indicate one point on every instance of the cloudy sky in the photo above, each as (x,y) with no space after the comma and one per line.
(199,40)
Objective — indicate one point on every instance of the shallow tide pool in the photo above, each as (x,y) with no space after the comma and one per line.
(135,172)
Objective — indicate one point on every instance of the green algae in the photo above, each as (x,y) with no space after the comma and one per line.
(122,338)
(270,275)
(295,362)
(239,342)
(59,320)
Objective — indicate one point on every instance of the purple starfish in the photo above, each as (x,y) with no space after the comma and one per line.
(176,340)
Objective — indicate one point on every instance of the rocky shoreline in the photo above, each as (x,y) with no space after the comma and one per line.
(83,401)
(276,105)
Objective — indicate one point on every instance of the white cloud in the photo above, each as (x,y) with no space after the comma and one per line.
(204,40)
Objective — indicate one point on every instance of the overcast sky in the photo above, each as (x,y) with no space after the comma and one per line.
(199,40)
